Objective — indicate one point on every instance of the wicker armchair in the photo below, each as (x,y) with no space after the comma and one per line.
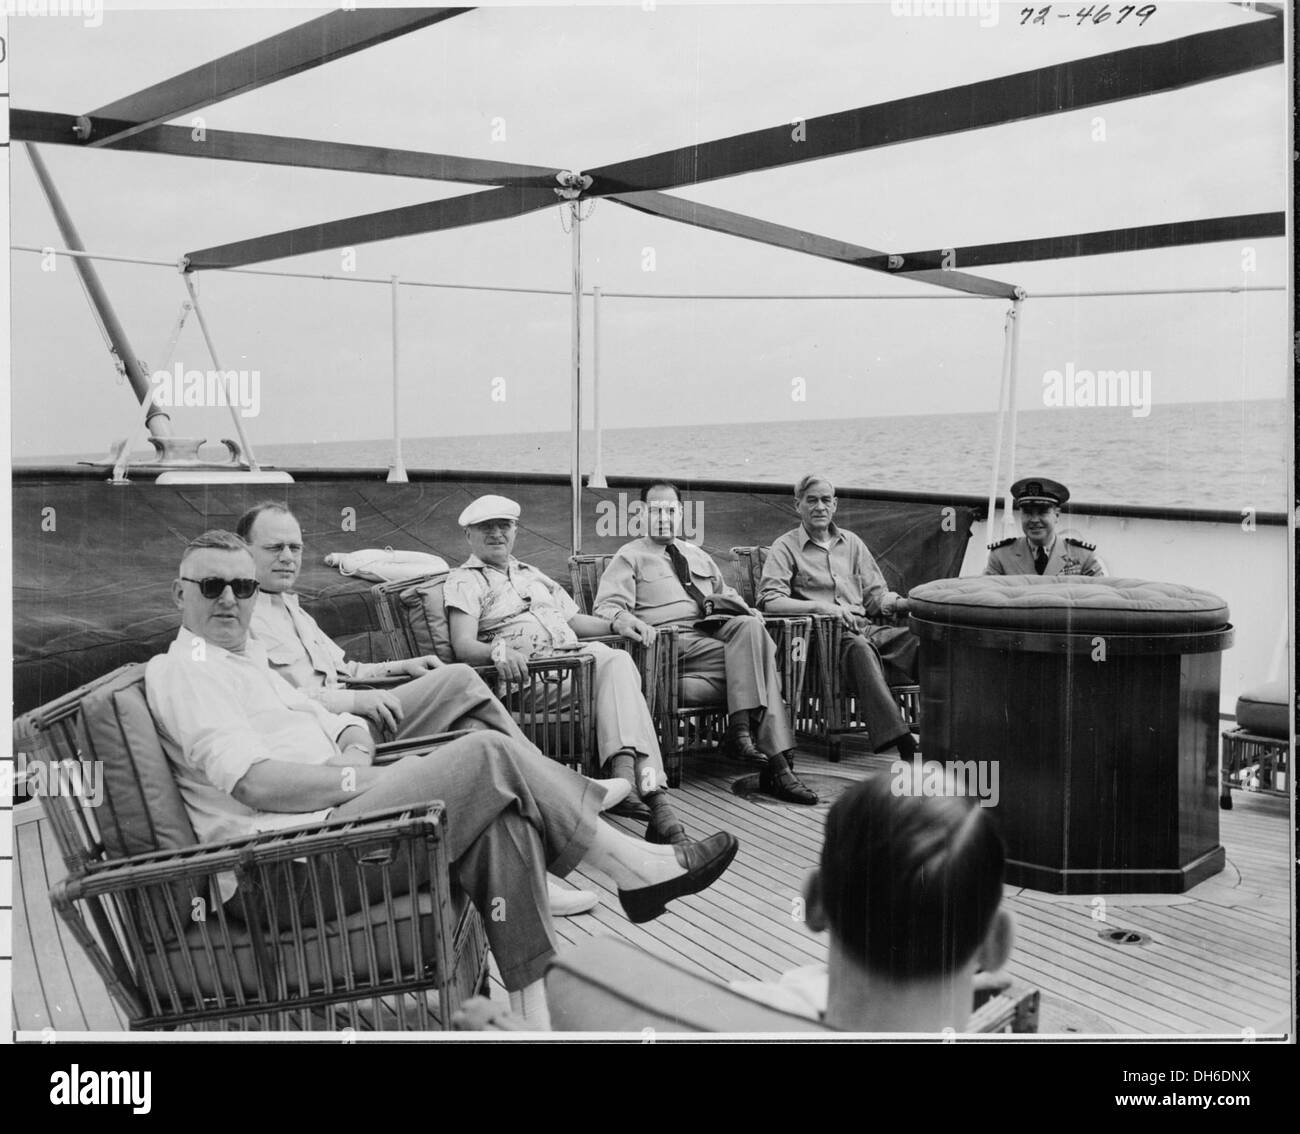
(827,708)
(688,715)
(413,615)
(141,893)
(1256,755)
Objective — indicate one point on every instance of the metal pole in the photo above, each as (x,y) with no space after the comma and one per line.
(397,473)
(575,467)
(597,478)
(159,422)
(124,453)
(212,352)
(1017,310)
(1002,420)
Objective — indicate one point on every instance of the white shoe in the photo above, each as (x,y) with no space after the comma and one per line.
(566,903)
(616,790)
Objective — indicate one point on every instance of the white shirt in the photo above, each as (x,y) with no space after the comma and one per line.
(219,713)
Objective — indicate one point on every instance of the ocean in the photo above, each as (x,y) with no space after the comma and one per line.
(1230,455)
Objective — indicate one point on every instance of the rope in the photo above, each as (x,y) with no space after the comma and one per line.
(387,282)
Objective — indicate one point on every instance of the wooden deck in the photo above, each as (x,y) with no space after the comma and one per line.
(1214,961)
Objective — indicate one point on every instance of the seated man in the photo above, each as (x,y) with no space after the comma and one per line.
(820,569)
(1039,551)
(660,580)
(251,753)
(909,889)
(503,612)
(438,698)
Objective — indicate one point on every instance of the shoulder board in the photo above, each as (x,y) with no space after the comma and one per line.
(1002,543)
(1081,543)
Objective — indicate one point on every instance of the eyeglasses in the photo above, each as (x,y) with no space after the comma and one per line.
(213,588)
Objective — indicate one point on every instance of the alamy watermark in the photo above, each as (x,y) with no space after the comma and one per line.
(1100,388)
(178,387)
(975,779)
(630,519)
(91,12)
(71,778)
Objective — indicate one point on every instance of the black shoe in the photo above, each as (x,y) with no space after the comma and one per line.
(631,808)
(785,785)
(674,836)
(704,862)
(739,745)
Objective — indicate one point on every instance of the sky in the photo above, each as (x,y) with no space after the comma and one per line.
(580,85)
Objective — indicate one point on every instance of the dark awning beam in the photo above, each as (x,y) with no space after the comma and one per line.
(796,240)
(291,52)
(1251,226)
(225,145)
(410,220)
(1079,83)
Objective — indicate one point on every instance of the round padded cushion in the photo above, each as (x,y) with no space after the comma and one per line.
(1263,710)
(1075,604)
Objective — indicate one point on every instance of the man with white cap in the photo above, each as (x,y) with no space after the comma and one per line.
(437,698)
(504,612)
(1040,551)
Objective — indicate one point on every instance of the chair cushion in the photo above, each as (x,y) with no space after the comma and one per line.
(368,954)
(1263,710)
(607,985)
(142,808)
(425,615)
(1069,603)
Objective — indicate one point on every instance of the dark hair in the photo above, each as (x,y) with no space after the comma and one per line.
(909,882)
(807,481)
(244,525)
(217,539)
(649,488)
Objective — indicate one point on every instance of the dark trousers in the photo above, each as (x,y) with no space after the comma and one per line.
(872,660)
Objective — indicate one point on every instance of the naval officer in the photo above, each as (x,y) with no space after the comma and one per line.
(1040,551)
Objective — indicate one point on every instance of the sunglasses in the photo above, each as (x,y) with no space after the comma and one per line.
(213,588)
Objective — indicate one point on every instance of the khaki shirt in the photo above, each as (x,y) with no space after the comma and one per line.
(519,606)
(303,654)
(844,573)
(640,579)
(1067,556)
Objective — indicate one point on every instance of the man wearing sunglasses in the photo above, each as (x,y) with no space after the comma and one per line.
(252,753)
(434,697)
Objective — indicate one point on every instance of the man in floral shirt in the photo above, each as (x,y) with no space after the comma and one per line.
(504,612)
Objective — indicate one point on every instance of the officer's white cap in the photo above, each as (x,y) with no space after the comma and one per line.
(489,508)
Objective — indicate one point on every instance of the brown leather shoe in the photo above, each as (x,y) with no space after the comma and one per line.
(704,862)
(785,785)
(739,745)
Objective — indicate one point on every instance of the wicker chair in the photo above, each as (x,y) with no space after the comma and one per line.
(827,709)
(1256,755)
(140,895)
(688,714)
(413,615)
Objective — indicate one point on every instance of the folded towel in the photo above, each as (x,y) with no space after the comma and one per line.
(386,565)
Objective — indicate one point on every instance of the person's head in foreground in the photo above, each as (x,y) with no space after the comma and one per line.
(909,888)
